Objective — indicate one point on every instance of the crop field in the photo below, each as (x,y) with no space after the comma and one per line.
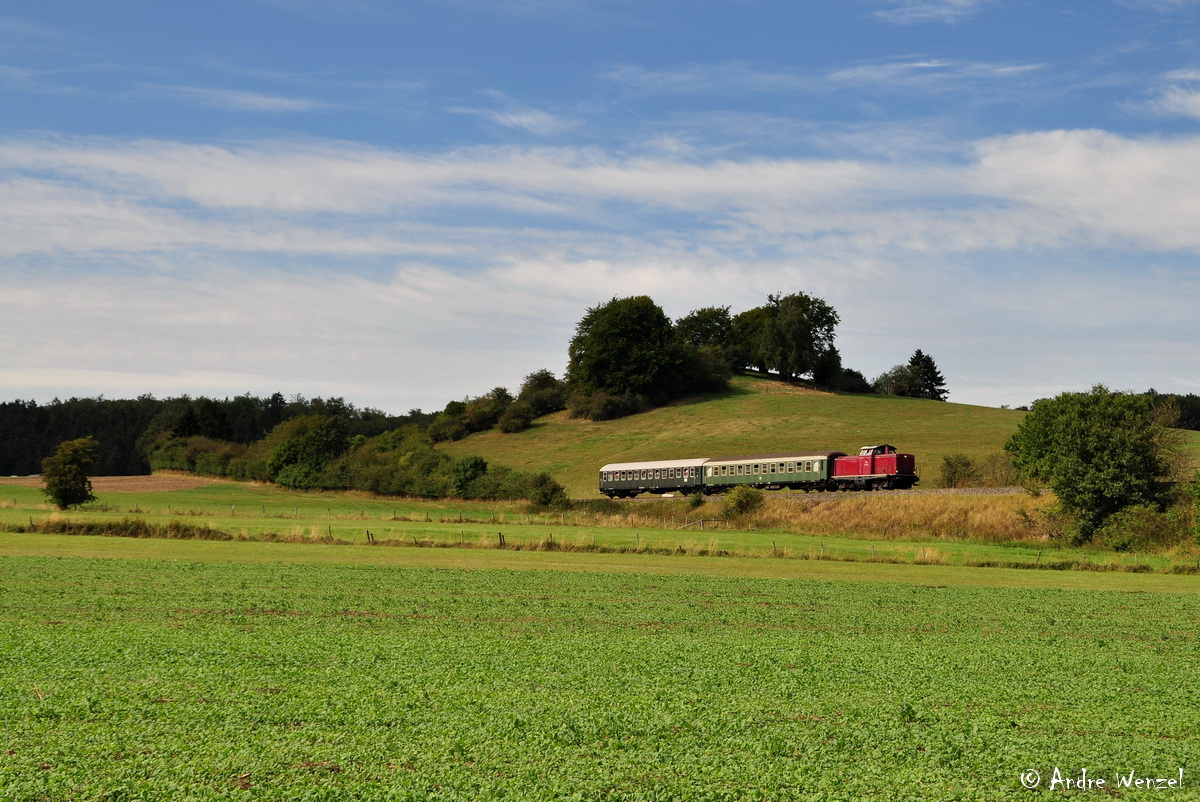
(156,679)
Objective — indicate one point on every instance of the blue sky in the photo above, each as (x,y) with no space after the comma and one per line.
(404,203)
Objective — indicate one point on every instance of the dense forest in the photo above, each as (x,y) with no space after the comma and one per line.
(126,429)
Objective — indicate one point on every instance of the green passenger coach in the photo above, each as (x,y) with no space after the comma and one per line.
(808,470)
(627,479)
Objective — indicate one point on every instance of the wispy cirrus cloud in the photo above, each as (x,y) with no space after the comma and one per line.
(1177,95)
(910,12)
(931,73)
(520,116)
(1088,184)
(709,79)
(232,99)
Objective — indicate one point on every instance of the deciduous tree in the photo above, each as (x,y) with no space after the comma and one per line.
(625,347)
(1099,451)
(799,337)
(66,476)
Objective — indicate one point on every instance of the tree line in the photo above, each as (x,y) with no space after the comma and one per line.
(125,429)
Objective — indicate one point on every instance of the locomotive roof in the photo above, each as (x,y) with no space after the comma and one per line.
(666,463)
(789,456)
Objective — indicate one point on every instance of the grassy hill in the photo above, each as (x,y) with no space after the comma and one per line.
(754,416)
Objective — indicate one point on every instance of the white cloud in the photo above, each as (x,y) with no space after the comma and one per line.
(931,74)
(310,265)
(1178,95)
(511,114)
(731,78)
(907,12)
(233,99)
(1112,190)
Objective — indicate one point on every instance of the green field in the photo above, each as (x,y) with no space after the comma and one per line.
(293,660)
(153,679)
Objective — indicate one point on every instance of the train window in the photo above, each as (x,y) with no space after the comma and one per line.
(712,471)
(772,468)
(791,467)
(646,474)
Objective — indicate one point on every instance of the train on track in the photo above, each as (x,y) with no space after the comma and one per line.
(874,468)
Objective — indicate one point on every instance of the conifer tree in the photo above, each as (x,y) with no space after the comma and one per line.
(928,380)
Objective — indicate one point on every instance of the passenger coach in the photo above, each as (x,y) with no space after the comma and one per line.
(803,471)
(627,479)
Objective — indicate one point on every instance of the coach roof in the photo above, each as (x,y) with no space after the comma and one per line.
(778,457)
(669,463)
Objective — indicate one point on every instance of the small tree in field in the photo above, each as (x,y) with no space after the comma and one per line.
(66,477)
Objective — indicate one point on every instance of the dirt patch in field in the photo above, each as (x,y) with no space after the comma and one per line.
(129,484)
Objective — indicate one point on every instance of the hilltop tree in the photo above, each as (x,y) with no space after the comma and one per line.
(748,344)
(791,334)
(624,347)
(928,381)
(799,338)
(66,476)
(920,378)
(1100,451)
(709,327)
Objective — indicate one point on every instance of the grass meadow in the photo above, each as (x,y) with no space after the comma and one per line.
(612,653)
(956,530)
(755,416)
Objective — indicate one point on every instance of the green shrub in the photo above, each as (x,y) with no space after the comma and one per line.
(605,406)
(517,418)
(743,500)
(958,470)
(1141,528)
(543,492)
